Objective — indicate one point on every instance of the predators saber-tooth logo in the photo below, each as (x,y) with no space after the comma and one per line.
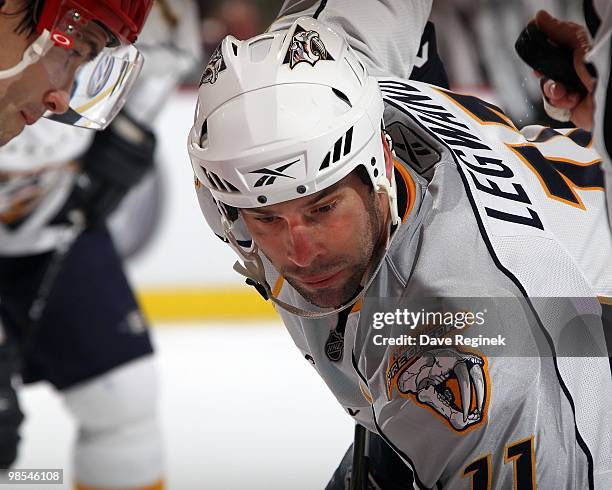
(215,65)
(448,381)
(306,46)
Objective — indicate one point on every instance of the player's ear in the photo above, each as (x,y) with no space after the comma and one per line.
(388,155)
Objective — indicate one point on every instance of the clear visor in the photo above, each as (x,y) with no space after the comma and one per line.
(100,88)
(76,73)
(97,69)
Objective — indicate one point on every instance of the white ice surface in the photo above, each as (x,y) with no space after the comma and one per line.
(241,408)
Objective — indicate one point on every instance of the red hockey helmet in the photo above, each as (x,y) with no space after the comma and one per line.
(123,18)
(86,49)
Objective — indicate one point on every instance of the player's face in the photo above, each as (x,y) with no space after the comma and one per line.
(44,85)
(322,244)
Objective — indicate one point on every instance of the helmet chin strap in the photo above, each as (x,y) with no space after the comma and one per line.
(253,267)
(389,188)
(31,55)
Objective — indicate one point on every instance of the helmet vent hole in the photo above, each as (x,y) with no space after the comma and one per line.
(348,140)
(211,182)
(230,187)
(354,70)
(363,70)
(260,48)
(235,49)
(214,180)
(342,96)
(204,133)
(218,183)
(337,150)
(325,163)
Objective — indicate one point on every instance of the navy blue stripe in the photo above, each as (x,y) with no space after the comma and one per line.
(322,6)
(592,20)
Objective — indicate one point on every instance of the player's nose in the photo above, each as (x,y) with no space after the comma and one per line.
(57,101)
(303,246)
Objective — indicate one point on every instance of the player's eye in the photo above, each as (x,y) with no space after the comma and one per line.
(76,57)
(75,53)
(84,51)
(266,219)
(326,208)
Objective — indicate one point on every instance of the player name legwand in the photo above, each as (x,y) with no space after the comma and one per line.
(427,340)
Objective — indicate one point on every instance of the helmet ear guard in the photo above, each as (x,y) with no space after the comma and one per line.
(390,190)
(389,186)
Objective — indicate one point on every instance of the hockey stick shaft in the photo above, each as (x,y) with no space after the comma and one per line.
(359,473)
(49,278)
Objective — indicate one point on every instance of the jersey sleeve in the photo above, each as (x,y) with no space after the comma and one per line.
(171,49)
(572,173)
(598,17)
(386,35)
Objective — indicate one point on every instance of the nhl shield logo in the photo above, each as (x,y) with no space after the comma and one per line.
(334,346)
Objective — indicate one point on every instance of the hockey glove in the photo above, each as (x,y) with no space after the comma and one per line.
(116,161)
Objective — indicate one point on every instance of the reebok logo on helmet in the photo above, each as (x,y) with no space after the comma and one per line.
(270,175)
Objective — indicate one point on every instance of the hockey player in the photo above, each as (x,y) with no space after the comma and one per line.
(588,110)
(49,44)
(294,172)
(68,312)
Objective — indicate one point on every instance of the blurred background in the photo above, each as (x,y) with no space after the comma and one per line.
(239,403)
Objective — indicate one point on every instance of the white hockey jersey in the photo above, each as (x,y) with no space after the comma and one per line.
(386,35)
(487,213)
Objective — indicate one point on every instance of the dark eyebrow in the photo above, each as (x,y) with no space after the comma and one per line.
(322,194)
(259,211)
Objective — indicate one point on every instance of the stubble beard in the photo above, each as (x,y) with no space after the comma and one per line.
(7,130)
(10,125)
(365,244)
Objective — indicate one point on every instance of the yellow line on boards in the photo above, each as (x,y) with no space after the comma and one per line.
(204,304)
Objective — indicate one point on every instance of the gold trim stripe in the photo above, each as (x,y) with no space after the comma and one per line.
(204,304)
(215,304)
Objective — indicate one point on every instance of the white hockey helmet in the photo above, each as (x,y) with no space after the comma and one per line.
(284,115)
